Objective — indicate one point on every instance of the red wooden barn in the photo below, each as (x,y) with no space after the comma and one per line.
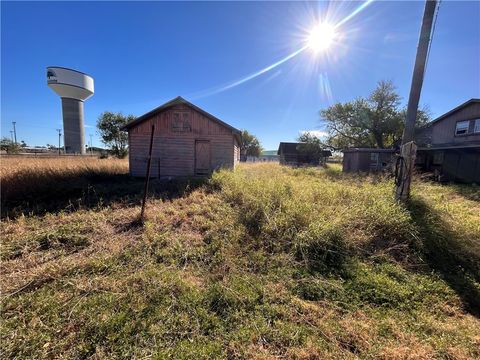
(187,141)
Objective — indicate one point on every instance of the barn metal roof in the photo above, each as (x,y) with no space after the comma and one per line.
(178,101)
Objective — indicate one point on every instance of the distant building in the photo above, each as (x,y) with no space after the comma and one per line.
(265,156)
(449,146)
(367,159)
(297,154)
(188,141)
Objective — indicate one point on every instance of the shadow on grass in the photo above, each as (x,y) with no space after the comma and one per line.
(86,190)
(470,192)
(449,254)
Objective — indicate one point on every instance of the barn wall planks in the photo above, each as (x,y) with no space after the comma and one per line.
(443,132)
(176,130)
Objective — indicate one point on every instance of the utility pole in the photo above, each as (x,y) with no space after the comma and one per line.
(14,131)
(408,152)
(59,139)
(91,150)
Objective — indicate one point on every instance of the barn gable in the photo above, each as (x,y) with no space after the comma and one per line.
(178,104)
(187,141)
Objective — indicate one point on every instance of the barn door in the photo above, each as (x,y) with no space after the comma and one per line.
(202,157)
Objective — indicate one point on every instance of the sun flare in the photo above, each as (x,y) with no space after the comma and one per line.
(321,37)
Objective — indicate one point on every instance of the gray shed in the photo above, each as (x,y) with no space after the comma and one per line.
(367,159)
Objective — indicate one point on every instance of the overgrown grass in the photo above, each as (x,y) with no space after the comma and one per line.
(263,262)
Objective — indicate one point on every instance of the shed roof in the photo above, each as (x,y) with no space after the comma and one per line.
(178,101)
(288,146)
(369,150)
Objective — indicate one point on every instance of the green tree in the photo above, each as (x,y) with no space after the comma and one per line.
(250,145)
(311,146)
(310,143)
(376,121)
(9,146)
(110,126)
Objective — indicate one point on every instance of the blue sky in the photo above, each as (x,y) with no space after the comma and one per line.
(144,53)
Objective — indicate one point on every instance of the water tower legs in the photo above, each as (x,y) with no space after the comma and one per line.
(73,128)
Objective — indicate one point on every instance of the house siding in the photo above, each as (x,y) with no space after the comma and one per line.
(443,131)
(448,156)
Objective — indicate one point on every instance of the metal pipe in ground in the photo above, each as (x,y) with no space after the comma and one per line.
(147,178)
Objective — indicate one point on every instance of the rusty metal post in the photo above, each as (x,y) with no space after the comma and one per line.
(147,178)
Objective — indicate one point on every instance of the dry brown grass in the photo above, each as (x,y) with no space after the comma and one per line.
(12,165)
(43,184)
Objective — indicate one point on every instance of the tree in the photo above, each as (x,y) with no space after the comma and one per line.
(110,124)
(9,146)
(310,143)
(311,146)
(250,146)
(376,121)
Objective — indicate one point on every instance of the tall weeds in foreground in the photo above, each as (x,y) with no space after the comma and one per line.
(297,209)
(263,262)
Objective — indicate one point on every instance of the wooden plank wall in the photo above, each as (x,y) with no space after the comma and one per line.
(443,132)
(236,151)
(174,151)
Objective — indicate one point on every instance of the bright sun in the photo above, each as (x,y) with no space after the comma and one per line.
(321,37)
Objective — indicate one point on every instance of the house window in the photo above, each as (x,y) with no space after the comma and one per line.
(438,158)
(181,122)
(476,129)
(374,157)
(462,128)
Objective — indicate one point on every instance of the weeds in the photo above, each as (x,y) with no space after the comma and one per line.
(262,262)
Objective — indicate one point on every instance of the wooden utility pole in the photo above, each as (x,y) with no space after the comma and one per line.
(147,179)
(408,152)
(59,139)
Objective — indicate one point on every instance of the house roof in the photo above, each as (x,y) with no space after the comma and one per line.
(369,150)
(268,153)
(460,146)
(178,101)
(459,107)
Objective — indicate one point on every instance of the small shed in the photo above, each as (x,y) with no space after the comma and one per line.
(188,141)
(367,159)
(301,154)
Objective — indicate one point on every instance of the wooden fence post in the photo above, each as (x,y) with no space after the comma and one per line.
(405,166)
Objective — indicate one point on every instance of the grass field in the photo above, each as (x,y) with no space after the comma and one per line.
(264,262)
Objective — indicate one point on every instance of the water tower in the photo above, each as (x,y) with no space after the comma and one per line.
(74,87)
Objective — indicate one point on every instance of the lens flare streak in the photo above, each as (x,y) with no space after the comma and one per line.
(279,62)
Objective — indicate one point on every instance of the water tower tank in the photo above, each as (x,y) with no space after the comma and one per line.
(74,87)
